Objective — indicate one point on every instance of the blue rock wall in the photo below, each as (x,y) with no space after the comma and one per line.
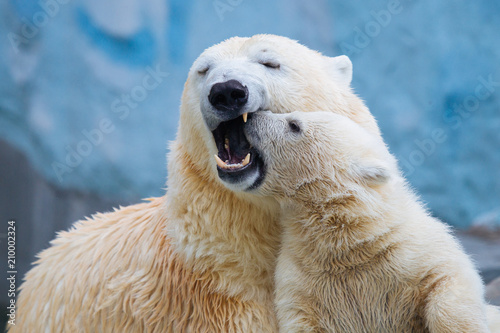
(90,90)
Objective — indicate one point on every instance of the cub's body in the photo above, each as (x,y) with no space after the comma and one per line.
(409,276)
(359,252)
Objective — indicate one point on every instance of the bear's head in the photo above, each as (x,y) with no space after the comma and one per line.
(239,76)
(316,156)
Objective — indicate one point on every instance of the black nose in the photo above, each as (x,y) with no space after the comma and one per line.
(228,96)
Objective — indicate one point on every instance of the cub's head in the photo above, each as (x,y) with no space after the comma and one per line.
(315,155)
(240,76)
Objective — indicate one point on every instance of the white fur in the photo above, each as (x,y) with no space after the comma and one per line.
(202,258)
(359,252)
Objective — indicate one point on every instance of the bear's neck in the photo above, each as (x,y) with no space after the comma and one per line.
(218,231)
(322,231)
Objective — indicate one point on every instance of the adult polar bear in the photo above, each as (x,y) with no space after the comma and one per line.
(201,258)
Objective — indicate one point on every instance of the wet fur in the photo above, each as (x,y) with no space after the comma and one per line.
(359,253)
(201,258)
(123,276)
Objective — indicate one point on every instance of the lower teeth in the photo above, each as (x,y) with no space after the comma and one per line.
(227,165)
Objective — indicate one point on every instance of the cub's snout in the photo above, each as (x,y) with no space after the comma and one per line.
(265,127)
(258,127)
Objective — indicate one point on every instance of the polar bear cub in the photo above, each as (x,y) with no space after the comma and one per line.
(359,252)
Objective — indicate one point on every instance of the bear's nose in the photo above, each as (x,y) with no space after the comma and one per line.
(228,96)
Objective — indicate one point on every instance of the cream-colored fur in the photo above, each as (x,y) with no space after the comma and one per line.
(359,252)
(202,258)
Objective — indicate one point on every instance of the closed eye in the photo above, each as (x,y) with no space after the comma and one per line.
(203,70)
(270,64)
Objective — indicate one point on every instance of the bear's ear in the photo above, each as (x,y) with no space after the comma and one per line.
(372,172)
(341,69)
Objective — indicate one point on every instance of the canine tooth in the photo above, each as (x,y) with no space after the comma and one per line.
(226,143)
(220,163)
(245,116)
(246,160)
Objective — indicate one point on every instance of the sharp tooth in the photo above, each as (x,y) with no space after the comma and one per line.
(226,143)
(246,160)
(220,163)
(245,116)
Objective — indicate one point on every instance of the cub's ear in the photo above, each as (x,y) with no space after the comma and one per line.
(341,69)
(372,172)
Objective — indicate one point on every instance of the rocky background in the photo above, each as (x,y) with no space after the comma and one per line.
(90,90)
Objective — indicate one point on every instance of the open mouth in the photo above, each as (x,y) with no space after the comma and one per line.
(237,161)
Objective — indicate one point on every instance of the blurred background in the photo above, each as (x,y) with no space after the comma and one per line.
(90,92)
